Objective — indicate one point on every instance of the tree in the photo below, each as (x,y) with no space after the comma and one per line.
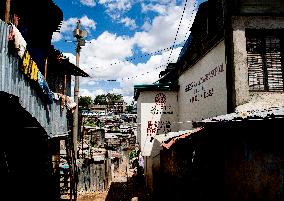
(84,101)
(113,97)
(107,99)
(100,100)
(129,108)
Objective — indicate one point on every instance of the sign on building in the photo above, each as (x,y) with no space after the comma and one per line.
(158,115)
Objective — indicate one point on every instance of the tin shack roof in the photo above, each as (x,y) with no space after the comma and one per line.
(58,59)
(257,114)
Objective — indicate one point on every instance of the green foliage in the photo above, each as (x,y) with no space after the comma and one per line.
(84,101)
(100,100)
(100,124)
(133,154)
(129,108)
(114,97)
(115,129)
(106,99)
(90,122)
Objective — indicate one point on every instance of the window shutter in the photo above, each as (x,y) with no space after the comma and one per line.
(273,64)
(264,60)
(255,64)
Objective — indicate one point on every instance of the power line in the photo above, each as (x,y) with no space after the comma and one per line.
(177,31)
(162,50)
(142,74)
(128,78)
(167,48)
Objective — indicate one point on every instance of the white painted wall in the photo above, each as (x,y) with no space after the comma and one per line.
(157,114)
(203,91)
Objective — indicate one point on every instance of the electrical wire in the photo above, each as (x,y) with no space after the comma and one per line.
(162,50)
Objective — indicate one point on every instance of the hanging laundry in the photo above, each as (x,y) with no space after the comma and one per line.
(11,36)
(63,98)
(44,86)
(26,62)
(34,71)
(29,67)
(20,43)
(70,104)
(56,96)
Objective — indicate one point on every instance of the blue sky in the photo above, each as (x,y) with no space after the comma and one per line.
(128,40)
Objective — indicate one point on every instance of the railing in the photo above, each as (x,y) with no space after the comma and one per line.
(12,81)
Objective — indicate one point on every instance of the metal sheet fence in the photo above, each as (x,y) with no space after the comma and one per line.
(13,82)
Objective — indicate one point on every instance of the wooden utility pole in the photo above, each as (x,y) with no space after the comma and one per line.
(7,11)
(79,34)
(76,92)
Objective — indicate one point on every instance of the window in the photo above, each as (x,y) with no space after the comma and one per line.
(265,60)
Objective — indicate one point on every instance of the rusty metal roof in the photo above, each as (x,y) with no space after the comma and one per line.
(257,114)
(273,112)
(180,135)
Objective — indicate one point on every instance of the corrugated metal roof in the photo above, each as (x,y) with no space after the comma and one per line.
(165,137)
(168,143)
(13,82)
(257,114)
(64,62)
(277,112)
(110,136)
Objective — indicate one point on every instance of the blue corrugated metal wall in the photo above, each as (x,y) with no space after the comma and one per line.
(13,82)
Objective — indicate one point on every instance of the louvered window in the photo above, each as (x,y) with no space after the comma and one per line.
(265,60)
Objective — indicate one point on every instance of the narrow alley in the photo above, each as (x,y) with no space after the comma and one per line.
(141,100)
(124,187)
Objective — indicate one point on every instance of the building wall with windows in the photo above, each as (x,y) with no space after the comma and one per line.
(258,45)
(242,61)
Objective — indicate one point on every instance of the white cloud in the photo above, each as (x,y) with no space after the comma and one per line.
(56,36)
(96,57)
(120,5)
(159,8)
(146,26)
(88,23)
(129,23)
(161,33)
(108,47)
(68,26)
(90,3)
(126,73)
(115,8)
(92,94)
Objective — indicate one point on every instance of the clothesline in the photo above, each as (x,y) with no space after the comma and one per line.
(30,69)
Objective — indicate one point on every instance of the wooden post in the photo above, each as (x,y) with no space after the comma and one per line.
(45,67)
(65,82)
(7,11)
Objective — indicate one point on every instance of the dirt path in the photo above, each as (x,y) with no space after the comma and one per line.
(124,187)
